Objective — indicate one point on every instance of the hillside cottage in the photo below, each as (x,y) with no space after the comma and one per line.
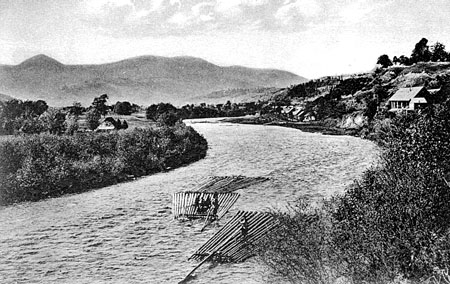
(409,99)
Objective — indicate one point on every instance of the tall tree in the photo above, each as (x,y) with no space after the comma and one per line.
(123,108)
(93,119)
(384,61)
(438,52)
(421,52)
(404,60)
(76,109)
(54,121)
(99,104)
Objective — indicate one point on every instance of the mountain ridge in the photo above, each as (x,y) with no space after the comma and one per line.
(143,79)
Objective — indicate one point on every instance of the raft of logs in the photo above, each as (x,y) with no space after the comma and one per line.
(185,205)
(192,204)
(232,243)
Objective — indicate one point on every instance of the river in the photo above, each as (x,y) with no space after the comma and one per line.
(126,234)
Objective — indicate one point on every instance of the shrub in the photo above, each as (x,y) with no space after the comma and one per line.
(392,223)
(301,248)
(395,218)
(93,118)
(33,167)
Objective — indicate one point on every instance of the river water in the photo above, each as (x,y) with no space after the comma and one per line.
(125,233)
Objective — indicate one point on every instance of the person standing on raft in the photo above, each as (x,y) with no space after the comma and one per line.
(244,229)
(215,204)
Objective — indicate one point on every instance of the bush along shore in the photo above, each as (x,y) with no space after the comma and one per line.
(34,167)
(391,226)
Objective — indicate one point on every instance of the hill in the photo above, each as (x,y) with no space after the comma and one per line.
(237,95)
(142,80)
(359,101)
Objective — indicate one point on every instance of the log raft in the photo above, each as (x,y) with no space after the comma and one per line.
(231,244)
(188,204)
(185,205)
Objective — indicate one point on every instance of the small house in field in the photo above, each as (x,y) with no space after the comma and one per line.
(409,99)
(108,124)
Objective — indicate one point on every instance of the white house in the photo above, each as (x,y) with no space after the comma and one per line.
(409,99)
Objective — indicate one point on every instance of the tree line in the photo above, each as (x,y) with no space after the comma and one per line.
(169,114)
(421,53)
(32,117)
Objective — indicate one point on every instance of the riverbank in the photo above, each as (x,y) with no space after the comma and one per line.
(314,127)
(127,230)
(35,167)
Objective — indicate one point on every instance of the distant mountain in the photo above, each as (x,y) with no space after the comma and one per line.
(142,80)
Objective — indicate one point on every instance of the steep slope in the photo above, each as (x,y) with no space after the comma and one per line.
(143,80)
(360,101)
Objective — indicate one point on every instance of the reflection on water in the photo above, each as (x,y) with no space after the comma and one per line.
(125,233)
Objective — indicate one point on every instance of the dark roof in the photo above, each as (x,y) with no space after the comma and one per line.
(110,119)
(406,94)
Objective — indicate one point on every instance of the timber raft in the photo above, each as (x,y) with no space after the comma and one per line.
(212,198)
(231,243)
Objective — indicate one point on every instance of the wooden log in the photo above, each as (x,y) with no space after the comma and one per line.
(236,248)
(234,229)
(187,278)
(219,236)
(229,202)
(241,255)
(251,218)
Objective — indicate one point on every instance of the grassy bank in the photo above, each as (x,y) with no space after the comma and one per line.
(391,226)
(34,167)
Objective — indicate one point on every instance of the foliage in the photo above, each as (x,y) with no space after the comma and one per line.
(384,61)
(76,109)
(421,52)
(438,52)
(154,111)
(93,119)
(395,218)
(301,249)
(99,104)
(53,121)
(33,167)
(391,223)
(71,124)
(123,108)
(16,114)
(168,118)
(404,60)
(312,88)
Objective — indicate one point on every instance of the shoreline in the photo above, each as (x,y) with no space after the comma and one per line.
(311,127)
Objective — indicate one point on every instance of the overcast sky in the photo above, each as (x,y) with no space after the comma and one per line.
(311,38)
